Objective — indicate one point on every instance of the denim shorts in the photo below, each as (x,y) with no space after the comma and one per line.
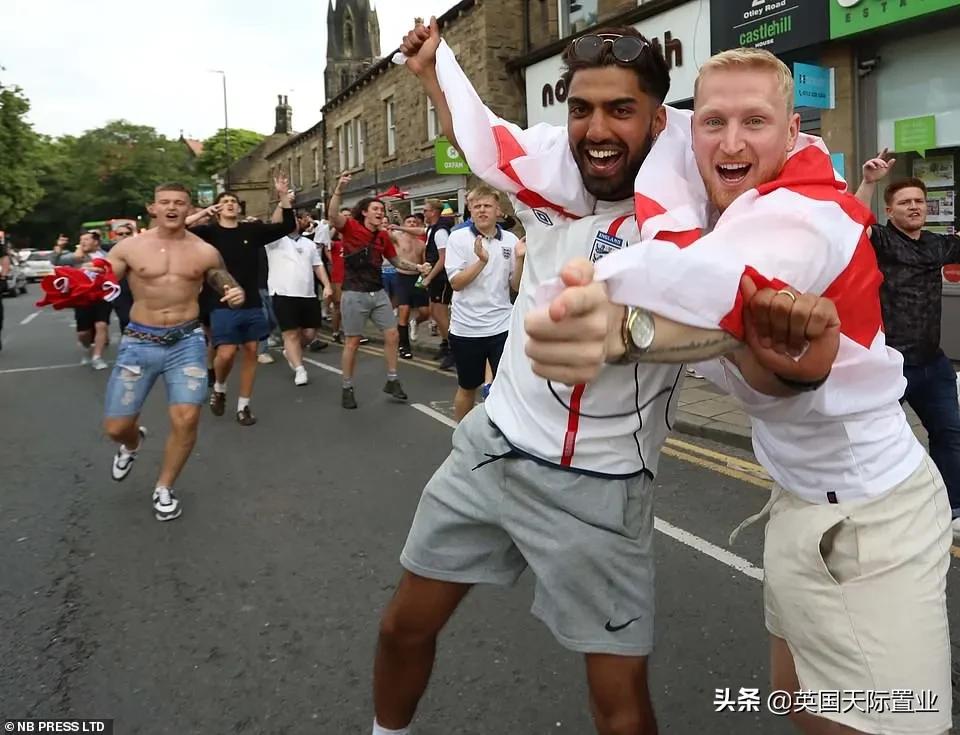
(183,366)
(238,326)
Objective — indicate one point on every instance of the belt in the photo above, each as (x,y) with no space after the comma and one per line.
(170,337)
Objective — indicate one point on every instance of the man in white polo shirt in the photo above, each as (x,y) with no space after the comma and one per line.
(294,260)
(483,264)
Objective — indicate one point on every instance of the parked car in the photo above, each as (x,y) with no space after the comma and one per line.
(37,265)
(15,282)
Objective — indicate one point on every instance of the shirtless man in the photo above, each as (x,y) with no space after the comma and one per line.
(410,247)
(166,267)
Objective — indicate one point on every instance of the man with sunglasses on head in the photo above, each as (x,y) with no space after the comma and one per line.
(555,477)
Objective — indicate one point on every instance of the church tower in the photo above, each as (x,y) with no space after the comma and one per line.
(353,43)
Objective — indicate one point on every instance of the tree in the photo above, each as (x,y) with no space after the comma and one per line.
(19,188)
(105,173)
(214,156)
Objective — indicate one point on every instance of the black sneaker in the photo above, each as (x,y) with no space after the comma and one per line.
(347,399)
(166,507)
(318,345)
(394,388)
(405,353)
(218,402)
(246,417)
(338,337)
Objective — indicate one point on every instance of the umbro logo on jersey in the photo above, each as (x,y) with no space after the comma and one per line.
(543,217)
(604,244)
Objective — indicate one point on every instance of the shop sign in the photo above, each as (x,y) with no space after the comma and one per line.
(855,16)
(813,86)
(839,161)
(776,25)
(915,134)
(448,159)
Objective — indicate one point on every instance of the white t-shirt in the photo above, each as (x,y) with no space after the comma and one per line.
(321,235)
(292,260)
(482,309)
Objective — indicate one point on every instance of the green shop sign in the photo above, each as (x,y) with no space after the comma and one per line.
(915,134)
(855,16)
(448,159)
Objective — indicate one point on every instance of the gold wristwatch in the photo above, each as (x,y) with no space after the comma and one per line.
(637,331)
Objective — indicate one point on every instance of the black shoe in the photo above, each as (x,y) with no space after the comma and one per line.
(447,362)
(218,402)
(394,388)
(347,399)
(338,337)
(364,340)
(318,345)
(245,417)
(405,353)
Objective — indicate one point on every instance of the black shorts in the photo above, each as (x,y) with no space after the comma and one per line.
(87,316)
(407,292)
(440,291)
(297,312)
(471,355)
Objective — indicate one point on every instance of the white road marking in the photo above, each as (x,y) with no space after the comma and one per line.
(711,550)
(324,366)
(30,318)
(436,415)
(706,548)
(42,367)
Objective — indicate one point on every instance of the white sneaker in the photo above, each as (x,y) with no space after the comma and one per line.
(98,363)
(273,341)
(300,376)
(166,507)
(285,357)
(85,358)
(413,330)
(265,358)
(123,460)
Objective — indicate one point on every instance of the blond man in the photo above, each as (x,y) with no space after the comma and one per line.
(483,264)
(857,546)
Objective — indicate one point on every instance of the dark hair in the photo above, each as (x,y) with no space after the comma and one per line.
(223,194)
(902,184)
(303,213)
(362,206)
(650,67)
(96,234)
(172,186)
(419,216)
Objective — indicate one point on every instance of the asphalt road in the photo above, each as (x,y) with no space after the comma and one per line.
(257,611)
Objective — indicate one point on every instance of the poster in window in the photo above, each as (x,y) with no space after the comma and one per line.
(940,206)
(934,171)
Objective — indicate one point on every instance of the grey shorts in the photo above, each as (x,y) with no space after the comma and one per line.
(488,512)
(358,306)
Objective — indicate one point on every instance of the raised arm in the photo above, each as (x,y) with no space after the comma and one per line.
(336,203)
(420,47)
(203,214)
(874,171)
(288,222)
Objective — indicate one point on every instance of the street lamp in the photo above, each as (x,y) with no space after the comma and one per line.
(226,128)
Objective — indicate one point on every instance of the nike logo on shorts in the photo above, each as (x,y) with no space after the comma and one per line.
(614,628)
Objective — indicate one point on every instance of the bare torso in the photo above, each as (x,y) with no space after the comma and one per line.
(410,247)
(165,275)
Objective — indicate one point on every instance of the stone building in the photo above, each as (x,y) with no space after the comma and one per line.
(250,177)
(383,130)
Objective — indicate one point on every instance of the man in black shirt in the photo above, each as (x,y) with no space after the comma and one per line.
(910,259)
(241,246)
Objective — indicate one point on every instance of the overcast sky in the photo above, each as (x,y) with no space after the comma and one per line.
(84,62)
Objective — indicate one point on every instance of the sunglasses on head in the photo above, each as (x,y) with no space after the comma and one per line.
(626,49)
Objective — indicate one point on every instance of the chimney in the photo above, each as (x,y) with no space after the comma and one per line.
(284,117)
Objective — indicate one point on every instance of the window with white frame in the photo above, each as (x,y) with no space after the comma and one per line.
(316,164)
(361,135)
(433,122)
(342,143)
(577,15)
(351,145)
(391,112)
(300,179)
(293,183)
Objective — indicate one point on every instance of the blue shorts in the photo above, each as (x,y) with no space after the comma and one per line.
(238,326)
(183,366)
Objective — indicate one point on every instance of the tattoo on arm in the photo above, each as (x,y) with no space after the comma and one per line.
(220,279)
(695,350)
(403,264)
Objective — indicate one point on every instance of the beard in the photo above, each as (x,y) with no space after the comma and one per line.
(619,186)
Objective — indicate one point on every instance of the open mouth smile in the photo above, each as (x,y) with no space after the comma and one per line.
(603,159)
(733,173)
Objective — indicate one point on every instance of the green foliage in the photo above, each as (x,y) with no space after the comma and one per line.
(19,158)
(213,160)
(103,173)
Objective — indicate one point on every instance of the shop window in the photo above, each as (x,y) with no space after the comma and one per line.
(577,16)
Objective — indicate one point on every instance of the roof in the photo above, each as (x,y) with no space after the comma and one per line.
(385,63)
(195,146)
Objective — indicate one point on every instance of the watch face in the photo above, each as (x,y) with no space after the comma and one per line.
(642,330)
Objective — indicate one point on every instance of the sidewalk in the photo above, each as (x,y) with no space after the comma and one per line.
(703,409)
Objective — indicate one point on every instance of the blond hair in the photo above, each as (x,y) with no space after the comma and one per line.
(750,58)
(434,204)
(484,191)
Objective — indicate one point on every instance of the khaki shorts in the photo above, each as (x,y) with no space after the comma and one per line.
(858,592)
